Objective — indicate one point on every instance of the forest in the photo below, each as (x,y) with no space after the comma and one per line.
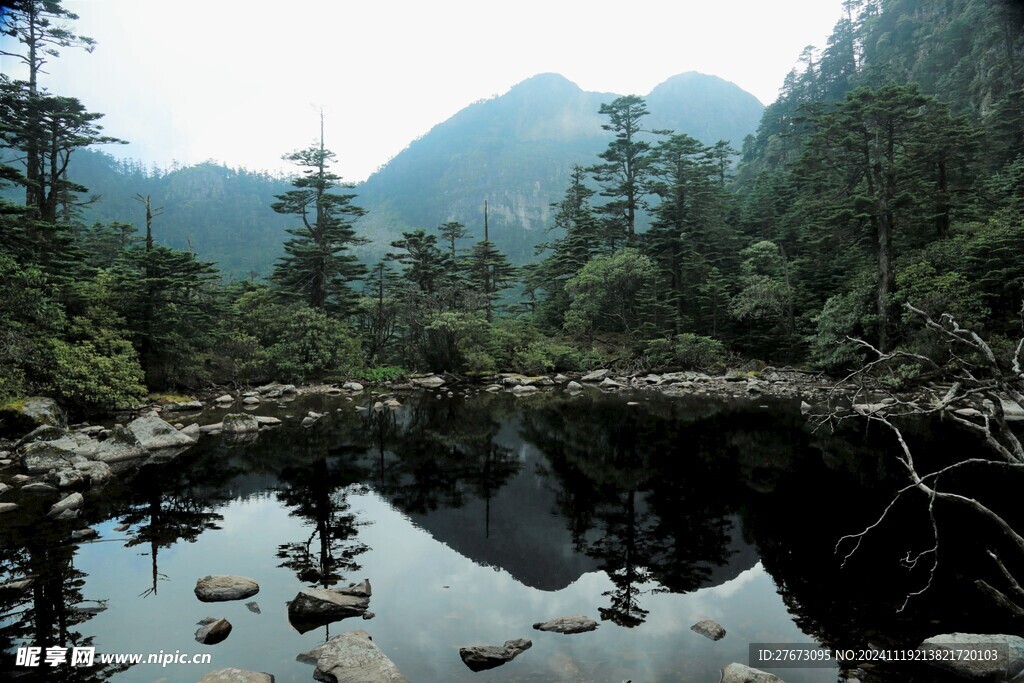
(889,171)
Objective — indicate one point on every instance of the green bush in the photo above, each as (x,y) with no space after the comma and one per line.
(386,373)
(312,345)
(99,374)
(685,351)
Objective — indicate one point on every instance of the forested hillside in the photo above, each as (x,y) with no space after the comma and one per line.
(888,172)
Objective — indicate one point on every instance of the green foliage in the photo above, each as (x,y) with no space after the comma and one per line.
(519,346)
(101,373)
(312,345)
(458,341)
(611,293)
(685,351)
(385,373)
(846,315)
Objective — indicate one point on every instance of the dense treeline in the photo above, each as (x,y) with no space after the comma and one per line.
(890,170)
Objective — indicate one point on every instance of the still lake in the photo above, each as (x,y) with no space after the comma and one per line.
(475,517)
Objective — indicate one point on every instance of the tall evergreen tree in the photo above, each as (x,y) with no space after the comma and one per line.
(319,267)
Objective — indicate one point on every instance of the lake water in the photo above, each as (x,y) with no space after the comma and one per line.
(473,518)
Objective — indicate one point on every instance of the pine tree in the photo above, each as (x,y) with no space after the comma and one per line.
(319,265)
(489,271)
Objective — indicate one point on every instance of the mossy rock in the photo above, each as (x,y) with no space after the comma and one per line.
(167,399)
(21,415)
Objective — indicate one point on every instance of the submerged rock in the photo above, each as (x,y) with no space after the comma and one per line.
(354,658)
(740,673)
(232,675)
(709,629)
(213,632)
(225,587)
(575,624)
(483,657)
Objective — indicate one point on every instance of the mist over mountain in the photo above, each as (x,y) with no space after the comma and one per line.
(515,151)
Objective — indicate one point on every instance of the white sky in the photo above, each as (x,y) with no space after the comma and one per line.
(242,82)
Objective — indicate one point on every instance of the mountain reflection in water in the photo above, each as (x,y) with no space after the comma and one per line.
(475,518)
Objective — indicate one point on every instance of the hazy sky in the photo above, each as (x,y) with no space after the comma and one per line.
(242,82)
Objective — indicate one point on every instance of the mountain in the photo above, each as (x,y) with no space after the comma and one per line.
(515,151)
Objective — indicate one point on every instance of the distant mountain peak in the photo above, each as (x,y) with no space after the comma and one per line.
(548,82)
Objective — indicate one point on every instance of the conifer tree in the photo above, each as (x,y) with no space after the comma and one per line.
(319,267)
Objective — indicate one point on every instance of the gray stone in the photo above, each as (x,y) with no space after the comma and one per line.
(392,403)
(225,587)
(361,589)
(8,507)
(253,607)
(41,433)
(320,605)
(595,376)
(226,398)
(352,386)
(267,421)
(805,407)
(208,429)
(1009,666)
(39,457)
(83,534)
(354,658)
(561,379)
(492,388)
(68,478)
(483,657)
(67,504)
(239,423)
(213,632)
(522,389)
(22,415)
(39,487)
(574,624)
(709,629)
(574,387)
(232,675)
(183,406)
(608,383)
(250,400)
(67,515)
(121,445)
(740,673)
(20,479)
(98,473)
(192,431)
(153,433)
(432,382)
(309,422)
(4,488)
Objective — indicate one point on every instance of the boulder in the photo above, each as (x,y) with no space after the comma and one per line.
(97,473)
(39,487)
(39,457)
(432,382)
(41,433)
(213,632)
(609,383)
(8,507)
(18,416)
(239,423)
(83,534)
(68,504)
(313,607)
(192,431)
(183,405)
(354,658)
(4,488)
(121,445)
(267,421)
(68,478)
(574,387)
(595,376)
(226,398)
(483,657)
(232,675)
(253,607)
(250,400)
(207,429)
(740,673)
(392,403)
(352,386)
(561,379)
(575,624)
(153,433)
(361,589)
(492,388)
(709,629)
(523,389)
(1007,666)
(805,408)
(225,587)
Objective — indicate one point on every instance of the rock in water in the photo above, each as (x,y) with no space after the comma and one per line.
(68,504)
(576,624)
(432,382)
(239,423)
(225,587)
(709,629)
(740,673)
(354,658)
(1008,666)
(313,607)
(574,386)
(236,676)
(8,507)
(121,445)
(22,415)
(153,433)
(253,607)
(483,657)
(595,376)
(213,632)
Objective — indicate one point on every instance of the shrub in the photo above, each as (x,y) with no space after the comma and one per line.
(312,345)
(686,351)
